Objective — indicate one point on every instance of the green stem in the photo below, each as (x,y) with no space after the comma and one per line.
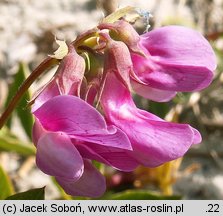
(45,65)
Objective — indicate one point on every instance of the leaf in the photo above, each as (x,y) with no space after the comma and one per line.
(140,195)
(6,186)
(9,142)
(12,145)
(22,111)
(33,194)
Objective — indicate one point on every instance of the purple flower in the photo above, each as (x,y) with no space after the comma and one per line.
(154,141)
(69,132)
(71,129)
(176,59)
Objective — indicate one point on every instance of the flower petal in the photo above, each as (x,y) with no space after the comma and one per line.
(172,77)
(37,131)
(178,59)
(91,183)
(113,137)
(179,45)
(76,118)
(71,115)
(159,142)
(154,141)
(197,136)
(57,156)
(118,158)
(152,93)
(45,93)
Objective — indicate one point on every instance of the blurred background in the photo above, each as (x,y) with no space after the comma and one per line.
(27,35)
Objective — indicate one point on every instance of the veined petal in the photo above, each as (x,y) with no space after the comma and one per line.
(112,137)
(71,115)
(57,156)
(159,142)
(78,119)
(179,45)
(118,158)
(91,183)
(154,141)
(172,77)
(177,59)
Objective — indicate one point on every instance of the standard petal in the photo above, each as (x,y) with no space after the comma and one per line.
(154,141)
(91,183)
(177,59)
(57,156)
(77,118)
(71,115)
(118,158)
(179,45)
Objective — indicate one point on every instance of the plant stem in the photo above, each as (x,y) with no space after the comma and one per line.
(45,65)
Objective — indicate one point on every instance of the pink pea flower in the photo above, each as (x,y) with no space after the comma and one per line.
(154,141)
(176,59)
(69,133)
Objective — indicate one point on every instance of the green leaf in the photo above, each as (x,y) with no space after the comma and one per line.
(139,195)
(33,194)
(9,142)
(23,112)
(6,186)
(13,145)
